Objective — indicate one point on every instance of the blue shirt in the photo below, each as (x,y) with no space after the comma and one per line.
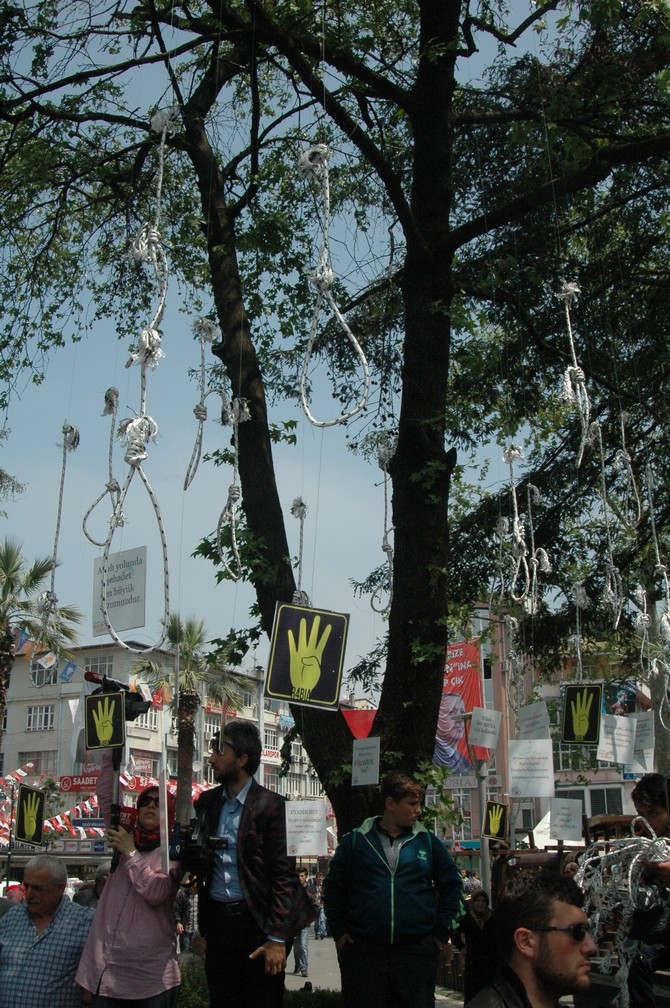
(39,969)
(225,885)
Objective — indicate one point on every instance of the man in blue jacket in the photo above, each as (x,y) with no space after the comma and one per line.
(392,896)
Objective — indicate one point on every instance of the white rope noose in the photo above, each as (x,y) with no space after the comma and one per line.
(385,453)
(519,564)
(112,486)
(581,601)
(138,431)
(313,164)
(613,595)
(538,560)
(631,514)
(47,603)
(207,332)
(574,379)
(299,511)
(233,414)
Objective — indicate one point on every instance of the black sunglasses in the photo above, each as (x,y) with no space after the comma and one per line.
(149,800)
(578,932)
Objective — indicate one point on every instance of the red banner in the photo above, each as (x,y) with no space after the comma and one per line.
(462,690)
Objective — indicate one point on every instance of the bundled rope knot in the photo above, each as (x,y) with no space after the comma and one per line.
(165,121)
(136,433)
(147,351)
(312,163)
(70,437)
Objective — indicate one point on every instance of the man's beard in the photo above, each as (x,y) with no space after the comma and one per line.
(229,776)
(556,981)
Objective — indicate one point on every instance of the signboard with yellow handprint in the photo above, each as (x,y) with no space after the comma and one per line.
(105,720)
(307,656)
(30,815)
(581,714)
(495,821)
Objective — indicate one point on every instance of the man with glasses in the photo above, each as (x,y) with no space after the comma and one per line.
(251,904)
(544,942)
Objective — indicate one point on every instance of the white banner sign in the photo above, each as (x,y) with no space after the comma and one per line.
(126,589)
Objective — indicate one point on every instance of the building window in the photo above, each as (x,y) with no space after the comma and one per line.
(270,736)
(40,717)
(148,721)
(211,726)
(40,676)
(271,779)
(315,789)
(44,763)
(102,664)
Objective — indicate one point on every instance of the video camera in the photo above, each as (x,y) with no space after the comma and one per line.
(193,847)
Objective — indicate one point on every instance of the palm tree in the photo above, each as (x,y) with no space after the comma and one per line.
(26,604)
(199,674)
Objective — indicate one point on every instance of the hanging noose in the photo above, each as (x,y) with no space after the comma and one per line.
(233,414)
(575,391)
(207,333)
(112,486)
(313,164)
(138,431)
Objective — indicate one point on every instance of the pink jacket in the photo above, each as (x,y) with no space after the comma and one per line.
(131,950)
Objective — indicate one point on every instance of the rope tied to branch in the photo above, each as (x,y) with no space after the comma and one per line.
(232,414)
(313,166)
(207,333)
(575,392)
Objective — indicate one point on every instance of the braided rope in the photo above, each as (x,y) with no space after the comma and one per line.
(207,333)
(384,455)
(112,486)
(581,601)
(574,379)
(631,515)
(613,595)
(299,511)
(138,431)
(233,414)
(47,603)
(313,164)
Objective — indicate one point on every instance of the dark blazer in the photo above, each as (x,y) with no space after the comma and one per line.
(272,891)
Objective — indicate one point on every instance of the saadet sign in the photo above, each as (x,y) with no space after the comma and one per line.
(81,782)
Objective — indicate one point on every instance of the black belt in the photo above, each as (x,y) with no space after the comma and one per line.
(229,909)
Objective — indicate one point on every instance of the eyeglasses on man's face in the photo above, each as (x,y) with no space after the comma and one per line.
(216,750)
(578,932)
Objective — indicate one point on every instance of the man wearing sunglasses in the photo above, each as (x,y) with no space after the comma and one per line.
(251,904)
(544,942)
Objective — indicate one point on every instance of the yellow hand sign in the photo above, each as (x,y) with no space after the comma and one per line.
(102,717)
(495,818)
(580,709)
(30,806)
(305,657)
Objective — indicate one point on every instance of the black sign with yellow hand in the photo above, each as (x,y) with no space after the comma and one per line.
(307,656)
(495,821)
(30,815)
(105,720)
(581,714)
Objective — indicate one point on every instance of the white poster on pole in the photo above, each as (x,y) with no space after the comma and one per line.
(566,818)
(533,721)
(306,828)
(617,739)
(365,762)
(125,591)
(484,728)
(531,768)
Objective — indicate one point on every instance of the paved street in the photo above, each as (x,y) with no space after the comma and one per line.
(325,975)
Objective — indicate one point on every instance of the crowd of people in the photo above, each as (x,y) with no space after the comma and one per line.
(393,900)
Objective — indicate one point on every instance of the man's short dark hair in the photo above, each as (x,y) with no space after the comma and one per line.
(531,904)
(650,790)
(246,741)
(398,785)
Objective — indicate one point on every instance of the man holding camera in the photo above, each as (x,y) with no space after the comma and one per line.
(250,901)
